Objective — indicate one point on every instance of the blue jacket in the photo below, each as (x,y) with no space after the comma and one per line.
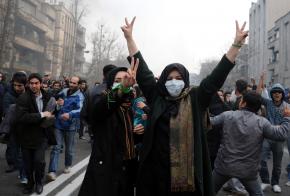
(275,113)
(72,105)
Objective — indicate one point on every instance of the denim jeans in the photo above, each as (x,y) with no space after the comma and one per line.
(277,150)
(251,185)
(68,137)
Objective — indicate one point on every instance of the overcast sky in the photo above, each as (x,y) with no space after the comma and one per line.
(168,31)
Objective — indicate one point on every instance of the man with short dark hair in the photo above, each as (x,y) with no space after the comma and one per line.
(69,104)
(240,159)
(47,78)
(91,97)
(13,152)
(275,108)
(30,112)
(241,88)
(234,185)
(56,88)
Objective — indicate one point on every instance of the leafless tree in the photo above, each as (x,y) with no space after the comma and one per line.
(7,21)
(106,50)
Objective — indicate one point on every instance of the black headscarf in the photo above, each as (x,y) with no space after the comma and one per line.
(163,78)
(112,74)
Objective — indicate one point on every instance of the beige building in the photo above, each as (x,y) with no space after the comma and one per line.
(45,38)
(65,41)
(34,36)
(275,9)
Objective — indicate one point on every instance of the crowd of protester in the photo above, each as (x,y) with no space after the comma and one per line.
(148,135)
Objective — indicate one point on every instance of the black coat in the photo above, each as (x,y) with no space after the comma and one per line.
(28,119)
(200,99)
(91,96)
(107,153)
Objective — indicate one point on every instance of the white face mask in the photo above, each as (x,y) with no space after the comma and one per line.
(115,84)
(174,87)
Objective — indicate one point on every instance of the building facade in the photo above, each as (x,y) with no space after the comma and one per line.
(257,39)
(44,38)
(68,57)
(34,36)
(263,15)
(279,51)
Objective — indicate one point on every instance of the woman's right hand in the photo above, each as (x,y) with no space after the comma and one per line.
(130,78)
(128,28)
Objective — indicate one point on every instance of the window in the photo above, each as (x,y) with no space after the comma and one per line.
(277,34)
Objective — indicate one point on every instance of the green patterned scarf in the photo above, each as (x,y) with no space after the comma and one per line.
(182,147)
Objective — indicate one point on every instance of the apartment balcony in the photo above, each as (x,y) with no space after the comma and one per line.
(28,44)
(37,21)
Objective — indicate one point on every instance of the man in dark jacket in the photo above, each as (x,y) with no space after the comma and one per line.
(30,113)
(234,185)
(91,96)
(13,152)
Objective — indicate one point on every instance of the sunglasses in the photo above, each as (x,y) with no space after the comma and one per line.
(280,92)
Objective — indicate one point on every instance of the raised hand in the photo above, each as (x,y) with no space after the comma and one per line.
(241,34)
(128,28)
(240,39)
(130,79)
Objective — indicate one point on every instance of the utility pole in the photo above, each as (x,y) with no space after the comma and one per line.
(76,18)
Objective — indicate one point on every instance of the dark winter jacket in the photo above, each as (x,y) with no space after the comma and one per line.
(91,96)
(28,119)
(8,122)
(9,98)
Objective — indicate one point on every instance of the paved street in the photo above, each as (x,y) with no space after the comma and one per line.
(68,184)
(10,185)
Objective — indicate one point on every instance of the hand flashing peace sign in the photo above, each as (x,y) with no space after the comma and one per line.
(128,28)
(130,78)
(240,34)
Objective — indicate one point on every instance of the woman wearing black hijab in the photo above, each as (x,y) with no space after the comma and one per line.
(174,159)
(111,167)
